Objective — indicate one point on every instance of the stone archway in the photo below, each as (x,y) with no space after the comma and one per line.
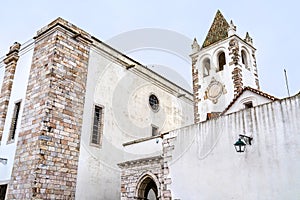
(147,188)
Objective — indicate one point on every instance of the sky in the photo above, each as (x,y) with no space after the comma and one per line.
(273,25)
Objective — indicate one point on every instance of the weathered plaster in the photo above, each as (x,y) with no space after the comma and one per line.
(205,164)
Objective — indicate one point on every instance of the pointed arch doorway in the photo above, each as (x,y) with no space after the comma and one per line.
(147,188)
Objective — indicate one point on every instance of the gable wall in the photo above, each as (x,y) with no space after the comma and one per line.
(245,97)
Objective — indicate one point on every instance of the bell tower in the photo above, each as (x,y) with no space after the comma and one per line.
(221,68)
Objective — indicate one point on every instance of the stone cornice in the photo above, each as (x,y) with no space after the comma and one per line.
(59,22)
(147,161)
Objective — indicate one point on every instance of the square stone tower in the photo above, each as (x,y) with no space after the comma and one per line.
(47,152)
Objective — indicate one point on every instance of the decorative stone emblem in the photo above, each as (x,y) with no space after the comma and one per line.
(214,90)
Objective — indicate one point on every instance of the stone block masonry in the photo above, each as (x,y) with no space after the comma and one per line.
(196,87)
(10,62)
(47,151)
(135,174)
(237,80)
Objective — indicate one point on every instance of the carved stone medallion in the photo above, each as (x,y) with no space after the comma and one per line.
(214,90)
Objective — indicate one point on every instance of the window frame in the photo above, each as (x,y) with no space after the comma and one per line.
(156,128)
(245,58)
(100,126)
(246,100)
(221,68)
(206,68)
(248,104)
(15,118)
(153,108)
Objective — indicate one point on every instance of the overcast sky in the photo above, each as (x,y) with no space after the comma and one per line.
(273,25)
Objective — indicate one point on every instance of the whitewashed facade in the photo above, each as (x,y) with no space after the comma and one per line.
(124,95)
(96,124)
(117,84)
(200,161)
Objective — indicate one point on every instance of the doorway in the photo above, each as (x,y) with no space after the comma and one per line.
(147,189)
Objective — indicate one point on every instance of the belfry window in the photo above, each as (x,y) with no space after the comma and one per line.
(14,120)
(206,67)
(221,61)
(97,125)
(244,59)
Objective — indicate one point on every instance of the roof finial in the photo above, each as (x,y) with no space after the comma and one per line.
(232,29)
(248,39)
(195,46)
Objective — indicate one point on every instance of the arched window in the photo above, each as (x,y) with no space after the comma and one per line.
(206,67)
(245,59)
(221,61)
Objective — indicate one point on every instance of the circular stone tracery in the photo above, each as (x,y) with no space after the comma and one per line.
(154,102)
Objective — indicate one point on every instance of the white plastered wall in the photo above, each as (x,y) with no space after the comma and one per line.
(18,92)
(124,95)
(205,164)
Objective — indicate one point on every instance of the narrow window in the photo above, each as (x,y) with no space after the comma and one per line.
(248,104)
(244,59)
(97,125)
(3,191)
(14,121)
(222,61)
(154,130)
(206,67)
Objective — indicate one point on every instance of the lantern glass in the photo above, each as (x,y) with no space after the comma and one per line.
(240,146)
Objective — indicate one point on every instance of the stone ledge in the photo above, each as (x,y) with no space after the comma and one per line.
(142,140)
(148,161)
(68,26)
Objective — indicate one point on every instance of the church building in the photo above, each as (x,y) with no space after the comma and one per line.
(81,120)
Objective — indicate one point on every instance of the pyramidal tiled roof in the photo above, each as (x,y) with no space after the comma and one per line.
(217,31)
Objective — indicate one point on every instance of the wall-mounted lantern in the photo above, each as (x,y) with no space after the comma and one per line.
(240,145)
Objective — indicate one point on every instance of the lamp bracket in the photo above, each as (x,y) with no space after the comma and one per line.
(246,138)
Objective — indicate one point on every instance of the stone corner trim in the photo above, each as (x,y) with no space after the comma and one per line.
(196,87)
(10,62)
